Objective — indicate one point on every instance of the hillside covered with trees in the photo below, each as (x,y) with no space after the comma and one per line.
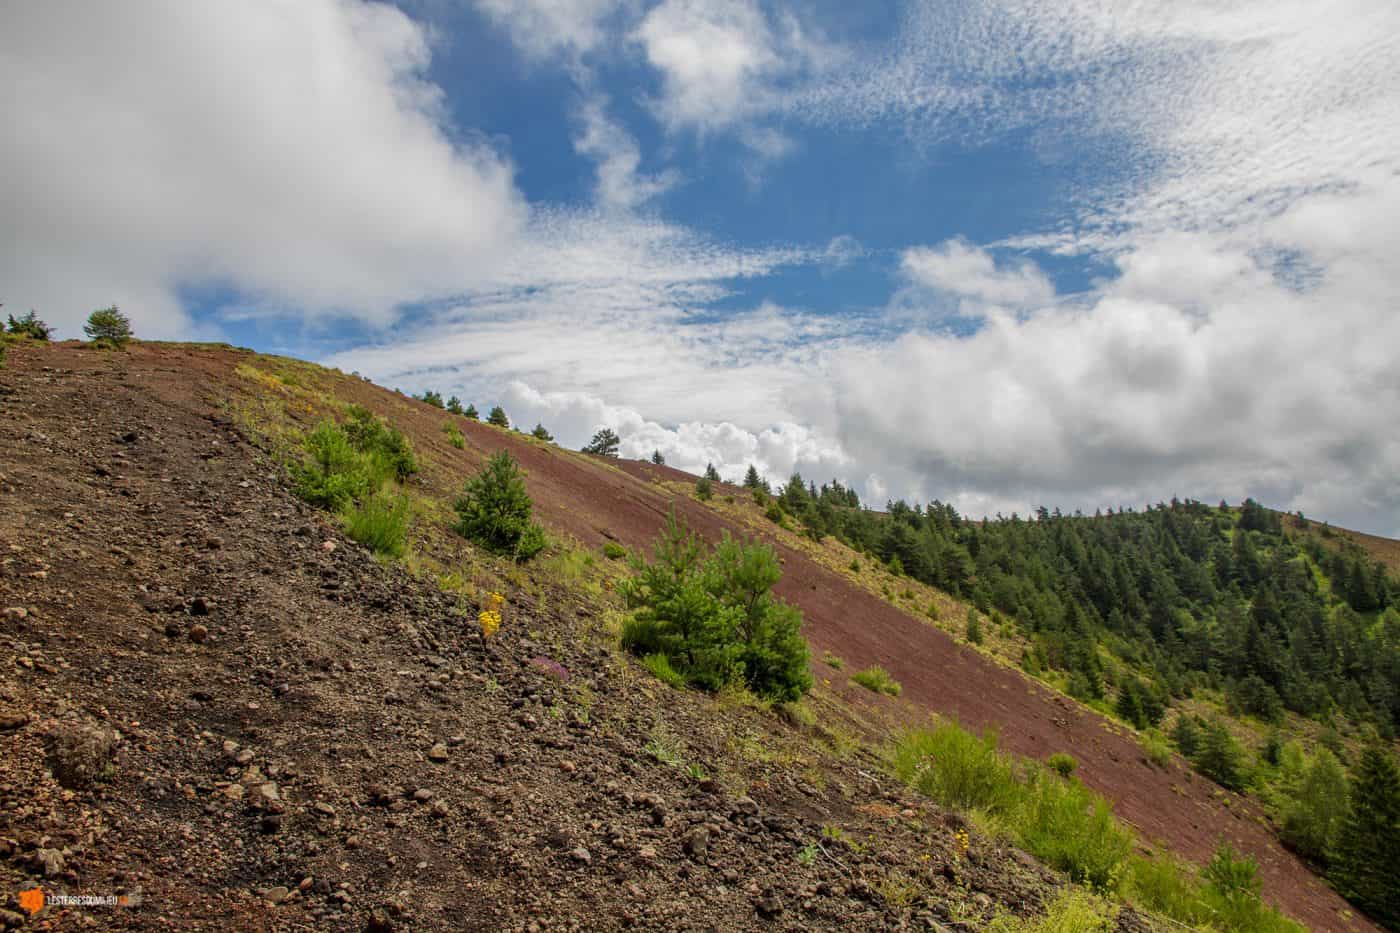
(1184,594)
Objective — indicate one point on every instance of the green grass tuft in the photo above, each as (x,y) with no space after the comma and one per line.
(878,680)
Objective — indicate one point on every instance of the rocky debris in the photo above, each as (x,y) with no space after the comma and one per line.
(77,753)
(301,755)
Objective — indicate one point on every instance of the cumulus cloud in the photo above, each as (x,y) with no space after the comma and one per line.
(969,272)
(777,451)
(1231,384)
(725,64)
(292,152)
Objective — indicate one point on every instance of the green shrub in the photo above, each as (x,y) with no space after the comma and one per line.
(833,661)
(1162,885)
(614,551)
(1186,735)
(714,617)
(1220,757)
(1071,828)
(957,769)
(384,444)
(432,397)
(380,523)
(494,510)
(1156,747)
(454,435)
(774,512)
(1316,807)
(498,417)
(1072,911)
(974,627)
(108,327)
(875,678)
(1138,705)
(541,433)
(662,670)
(1062,763)
(704,489)
(335,474)
(29,325)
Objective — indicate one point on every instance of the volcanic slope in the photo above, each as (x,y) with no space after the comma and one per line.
(305,736)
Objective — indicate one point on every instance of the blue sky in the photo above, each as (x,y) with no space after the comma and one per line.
(1000,252)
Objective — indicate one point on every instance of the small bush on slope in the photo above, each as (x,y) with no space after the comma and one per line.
(494,510)
(29,325)
(345,470)
(380,523)
(714,617)
(878,680)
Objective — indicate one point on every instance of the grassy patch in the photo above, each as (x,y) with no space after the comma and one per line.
(1062,763)
(1156,747)
(832,661)
(380,523)
(454,435)
(1071,828)
(662,670)
(875,678)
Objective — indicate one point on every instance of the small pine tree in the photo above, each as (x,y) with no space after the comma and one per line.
(29,325)
(494,510)
(1317,807)
(108,327)
(711,473)
(605,443)
(657,459)
(454,405)
(541,433)
(470,412)
(1186,736)
(704,489)
(974,627)
(432,398)
(751,478)
(1367,861)
(1220,758)
(498,417)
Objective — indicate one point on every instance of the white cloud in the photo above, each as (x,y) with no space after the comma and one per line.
(966,271)
(776,451)
(726,65)
(1230,383)
(620,184)
(542,28)
(294,152)
(1194,115)
(617,306)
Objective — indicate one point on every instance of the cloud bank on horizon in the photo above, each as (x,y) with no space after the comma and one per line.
(1002,253)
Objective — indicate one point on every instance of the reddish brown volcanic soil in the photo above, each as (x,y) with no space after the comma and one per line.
(598,500)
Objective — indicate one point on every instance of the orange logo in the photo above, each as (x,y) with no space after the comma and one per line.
(32,900)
